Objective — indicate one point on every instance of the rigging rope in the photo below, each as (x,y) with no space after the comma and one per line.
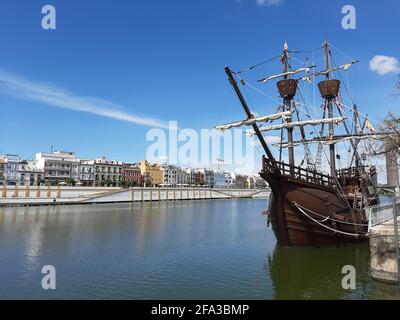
(258,64)
(324,226)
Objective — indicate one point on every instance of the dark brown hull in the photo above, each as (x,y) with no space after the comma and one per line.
(294,226)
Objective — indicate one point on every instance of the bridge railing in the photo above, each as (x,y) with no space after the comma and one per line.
(381,213)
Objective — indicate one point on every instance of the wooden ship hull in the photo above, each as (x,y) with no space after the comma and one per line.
(305,209)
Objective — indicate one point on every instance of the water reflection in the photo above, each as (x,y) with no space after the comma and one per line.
(199,250)
(316,273)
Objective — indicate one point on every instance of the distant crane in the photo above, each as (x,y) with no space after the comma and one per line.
(219,162)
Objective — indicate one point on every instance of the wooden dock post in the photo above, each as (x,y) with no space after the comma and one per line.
(37,192)
(181,194)
(166,194)
(4,192)
(159,193)
(58,191)
(48,191)
(27,191)
(15,191)
(174,194)
(132,195)
(141,194)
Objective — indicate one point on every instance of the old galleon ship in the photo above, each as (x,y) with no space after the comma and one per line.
(315,199)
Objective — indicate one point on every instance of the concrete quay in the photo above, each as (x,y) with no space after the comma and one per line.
(383,252)
(46,195)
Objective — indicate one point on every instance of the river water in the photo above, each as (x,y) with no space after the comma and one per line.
(220,249)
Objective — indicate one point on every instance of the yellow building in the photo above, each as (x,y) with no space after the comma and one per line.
(152,173)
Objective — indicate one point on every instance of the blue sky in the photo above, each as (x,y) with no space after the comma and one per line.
(149,62)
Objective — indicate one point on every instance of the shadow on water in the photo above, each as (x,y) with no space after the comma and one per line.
(306,273)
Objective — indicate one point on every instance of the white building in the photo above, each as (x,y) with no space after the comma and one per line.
(107,172)
(230,180)
(29,174)
(169,175)
(11,169)
(58,166)
(86,172)
(219,180)
(183,177)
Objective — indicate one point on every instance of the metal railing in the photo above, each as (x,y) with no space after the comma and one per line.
(381,213)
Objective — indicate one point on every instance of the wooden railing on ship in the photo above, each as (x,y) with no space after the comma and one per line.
(298,172)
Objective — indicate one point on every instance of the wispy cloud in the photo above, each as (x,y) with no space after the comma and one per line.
(384,65)
(51,95)
(268,2)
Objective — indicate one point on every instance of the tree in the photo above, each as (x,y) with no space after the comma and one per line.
(390,128)
(107,182)
(70,182)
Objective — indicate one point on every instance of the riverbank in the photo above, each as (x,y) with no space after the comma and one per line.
(63,195)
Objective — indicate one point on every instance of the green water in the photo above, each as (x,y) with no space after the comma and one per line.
(218,249)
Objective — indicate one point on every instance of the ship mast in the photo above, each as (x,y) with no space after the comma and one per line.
(356,124)
(287,89)
(328,99)
(248,113)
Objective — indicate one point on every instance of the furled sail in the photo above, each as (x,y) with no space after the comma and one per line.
(327,71)
(249,122)
(289,125)
(336,139)
(286,74)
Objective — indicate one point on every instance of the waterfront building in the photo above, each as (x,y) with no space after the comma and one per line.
(260,183)
(86,173)
(241,181)
(2,167)
(204,177)
(169,175)
(107,172)
(230,180)
(131,174)
(152,173)
(198,177)
(175,176)
(251,182)
(219,180)
(11,169)
(29,174)
(58,166)
(191,176)
(183,177)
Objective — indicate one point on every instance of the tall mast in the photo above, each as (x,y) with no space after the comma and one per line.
(330,114)
(248,113)
(287,100)
(356,124)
